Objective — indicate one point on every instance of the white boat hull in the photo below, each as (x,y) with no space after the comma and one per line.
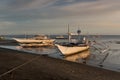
(67,50)
(34,42)
(36,45)
(82,55)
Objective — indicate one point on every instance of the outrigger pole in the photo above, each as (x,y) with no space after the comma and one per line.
(69,35)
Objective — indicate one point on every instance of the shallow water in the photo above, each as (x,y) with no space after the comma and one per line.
(105,53)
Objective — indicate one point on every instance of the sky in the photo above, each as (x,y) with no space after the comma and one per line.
(53,16)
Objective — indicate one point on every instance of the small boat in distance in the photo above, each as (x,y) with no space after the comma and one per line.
(60,37)
(37,41)
(72,47)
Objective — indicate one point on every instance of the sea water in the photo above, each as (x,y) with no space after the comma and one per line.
(104,53)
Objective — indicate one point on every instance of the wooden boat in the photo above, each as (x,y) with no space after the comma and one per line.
(35,42)
(70,48)
(80,56)
(35,45)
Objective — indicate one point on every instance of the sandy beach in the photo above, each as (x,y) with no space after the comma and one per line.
(17,65)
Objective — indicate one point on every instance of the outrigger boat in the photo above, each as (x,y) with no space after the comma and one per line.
(69,50)
(38,41)
(81,44)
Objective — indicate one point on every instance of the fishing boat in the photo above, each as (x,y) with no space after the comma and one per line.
(69,50)
(82,56)
(72,47)
(37,41)
(60,37)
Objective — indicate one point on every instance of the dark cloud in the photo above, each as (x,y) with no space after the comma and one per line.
(18,3)
(68,2)
(22,10)
(13,10)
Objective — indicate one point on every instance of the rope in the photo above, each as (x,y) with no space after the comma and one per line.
(19,66)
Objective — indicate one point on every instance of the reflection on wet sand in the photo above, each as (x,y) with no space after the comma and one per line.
(82,56)
(77,57)
(39,50)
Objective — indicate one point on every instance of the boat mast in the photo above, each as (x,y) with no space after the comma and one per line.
(69,35)
(78,32)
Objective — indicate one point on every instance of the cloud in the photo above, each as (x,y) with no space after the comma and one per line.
(69,2)
(90,8)
(28,4)
(6,26)
(19,10)
(24,14)
(3,24)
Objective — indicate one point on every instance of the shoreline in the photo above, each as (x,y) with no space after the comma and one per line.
(39,67)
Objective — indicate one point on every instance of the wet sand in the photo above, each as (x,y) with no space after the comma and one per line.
(8,42)
(17,65)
